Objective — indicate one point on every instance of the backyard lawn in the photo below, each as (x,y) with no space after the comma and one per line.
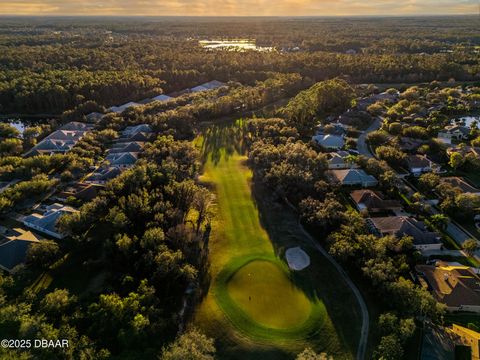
(256,306)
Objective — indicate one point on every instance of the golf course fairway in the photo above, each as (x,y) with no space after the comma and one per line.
(256,307)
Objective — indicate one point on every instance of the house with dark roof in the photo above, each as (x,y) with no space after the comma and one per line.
(77,126)
(14,244)
(103,175)
(124,147)
(47,222)
(410,144)
(51,146)
(132,130)
(373,201)
(420,164)
(94,117)
(61,140)
(122,160)
(461,184)
(400,226)
(138,137)
(80,191)
(352,177)
(455,285)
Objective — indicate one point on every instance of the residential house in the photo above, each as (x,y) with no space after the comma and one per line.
(454,132)
(138,137)
(61,140)
(211,85)
(132,130)
(51,146)
(80,191)
(161,98)
(94,117)
(329,141)
(120,109)
(423,239)
(467,337)
(122,160)
(47,222)
(103,175)
(364,103)
(419,164)
(455,285)
(461,184)
(354,118)
(77,126)
(351,177)
(14,244)
(340,160)
(464,150)
(123,147)
(373,201)
(333,128)
(410,144)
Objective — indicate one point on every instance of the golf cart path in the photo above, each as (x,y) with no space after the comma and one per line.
(362,345)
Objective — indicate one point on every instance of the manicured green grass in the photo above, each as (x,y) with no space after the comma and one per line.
(256,307)
(264,292)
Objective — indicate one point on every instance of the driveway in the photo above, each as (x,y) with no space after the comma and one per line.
(362,146)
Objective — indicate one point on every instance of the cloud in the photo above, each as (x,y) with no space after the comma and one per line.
(237,7)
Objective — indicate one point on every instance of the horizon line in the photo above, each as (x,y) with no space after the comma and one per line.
(237,16)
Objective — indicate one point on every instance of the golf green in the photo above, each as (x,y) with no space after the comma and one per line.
(265,293)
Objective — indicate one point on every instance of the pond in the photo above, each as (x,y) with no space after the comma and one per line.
(234,45)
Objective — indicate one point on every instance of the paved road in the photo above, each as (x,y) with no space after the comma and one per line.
(443,252)
(362,345)
(362,146)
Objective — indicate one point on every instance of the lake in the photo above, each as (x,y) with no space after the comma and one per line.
(234,45)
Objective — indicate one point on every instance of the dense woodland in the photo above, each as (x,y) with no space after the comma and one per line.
(53,66)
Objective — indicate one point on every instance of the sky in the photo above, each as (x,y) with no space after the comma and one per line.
(238,7)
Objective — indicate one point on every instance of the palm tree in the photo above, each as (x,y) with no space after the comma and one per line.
(439,221)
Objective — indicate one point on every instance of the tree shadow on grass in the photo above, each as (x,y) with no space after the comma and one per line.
(223,140)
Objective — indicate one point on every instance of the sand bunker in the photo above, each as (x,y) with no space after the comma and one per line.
(297,259)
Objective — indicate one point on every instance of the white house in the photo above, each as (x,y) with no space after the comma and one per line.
(47,222)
